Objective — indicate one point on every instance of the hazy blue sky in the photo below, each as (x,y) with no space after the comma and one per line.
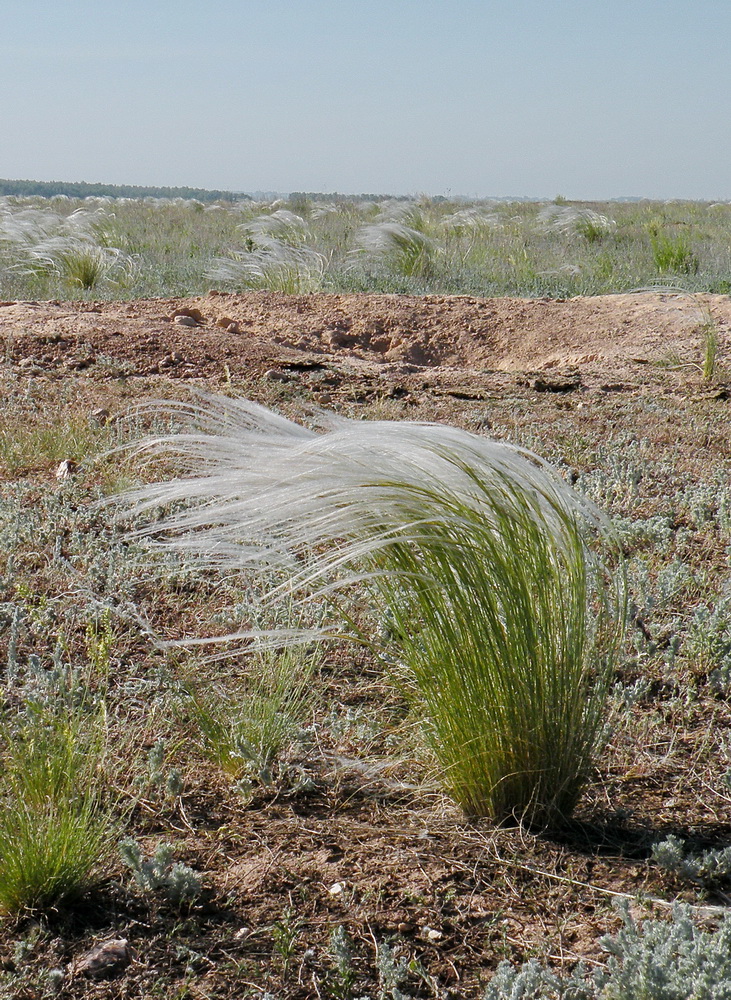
(499,97)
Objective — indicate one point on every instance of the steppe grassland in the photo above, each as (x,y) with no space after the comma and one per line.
(157,772)
(141,248)
(188,765)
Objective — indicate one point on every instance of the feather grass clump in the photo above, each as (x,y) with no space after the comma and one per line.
(407,250)
(274,266)
(480,560)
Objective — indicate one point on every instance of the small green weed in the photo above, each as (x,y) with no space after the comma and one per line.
(245,731)
(24,448)
(673,254)
(285,935)
(55,832)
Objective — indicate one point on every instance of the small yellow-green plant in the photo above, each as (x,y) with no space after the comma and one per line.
(673,253)
(55,830)
(245,731)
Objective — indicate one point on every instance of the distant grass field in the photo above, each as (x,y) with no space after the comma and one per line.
(136,248)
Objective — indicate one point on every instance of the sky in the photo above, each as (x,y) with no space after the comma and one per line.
(482,98)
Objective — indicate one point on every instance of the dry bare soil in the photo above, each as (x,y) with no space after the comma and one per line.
(584,382)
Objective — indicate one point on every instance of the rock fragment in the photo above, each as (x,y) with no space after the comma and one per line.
(225,322)
(182,316)
(66,470)
(104,960)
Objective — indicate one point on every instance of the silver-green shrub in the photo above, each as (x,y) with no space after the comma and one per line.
(710,868)
(672,959)
(161,873)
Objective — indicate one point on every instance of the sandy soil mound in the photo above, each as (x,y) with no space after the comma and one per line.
(602,337)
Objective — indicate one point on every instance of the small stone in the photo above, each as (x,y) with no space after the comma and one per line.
(431,934)
(277,376)
(233,327)
(323,397)
(170,360)
(241,933)
(105,959)
(404,927)
(194,314)
(66,469)
(336,889)
(184,321)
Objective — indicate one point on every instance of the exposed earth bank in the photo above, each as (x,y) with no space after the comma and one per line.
(631,336)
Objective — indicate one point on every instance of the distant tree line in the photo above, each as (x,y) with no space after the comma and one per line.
(301,196)
(81,189)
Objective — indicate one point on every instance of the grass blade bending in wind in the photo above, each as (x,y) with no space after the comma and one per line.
(476,554)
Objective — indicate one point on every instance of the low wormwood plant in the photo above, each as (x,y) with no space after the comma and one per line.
(656,960)
(393,973)
(710,869)
(707,644)
(342,979)
(475,552)
(168,783)
(161,873)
